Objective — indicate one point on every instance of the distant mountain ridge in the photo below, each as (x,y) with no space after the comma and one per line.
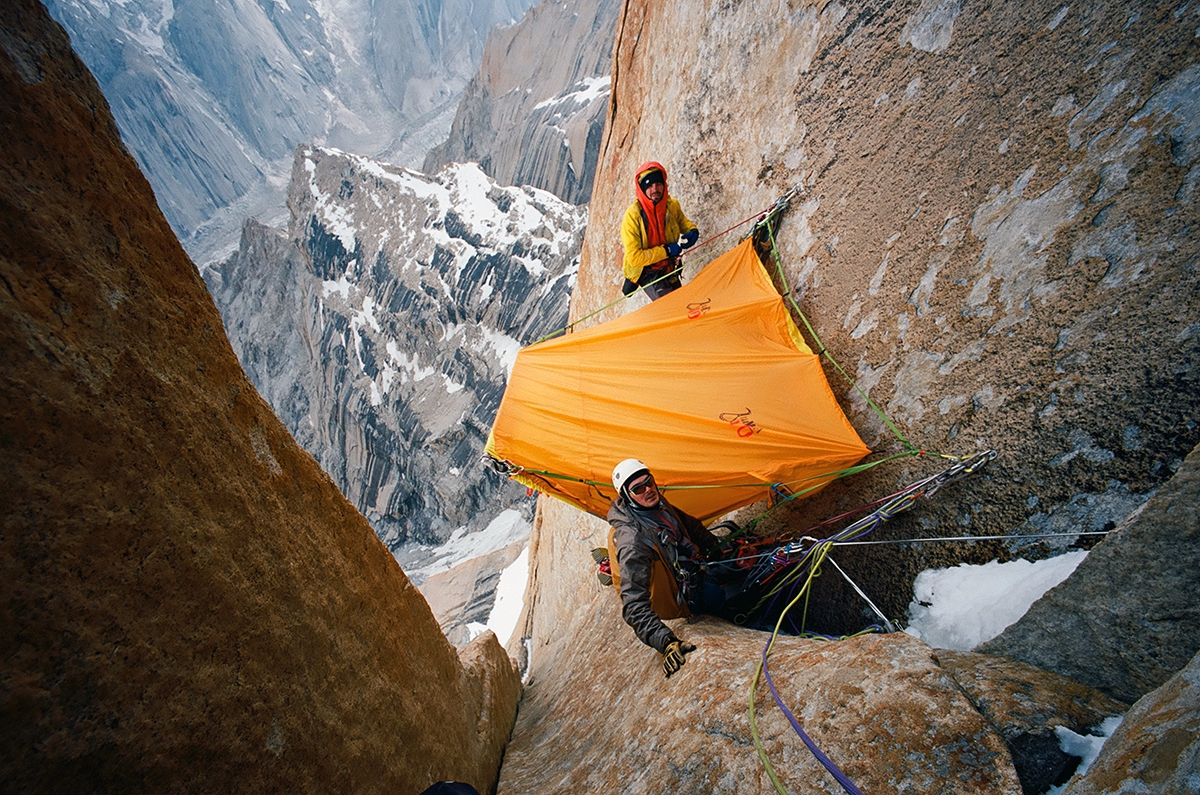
(382,326)
(535,112)
(212,98)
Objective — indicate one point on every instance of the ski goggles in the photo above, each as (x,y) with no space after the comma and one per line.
(642,486)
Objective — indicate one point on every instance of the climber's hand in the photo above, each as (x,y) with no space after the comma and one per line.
(628,287)
(688,239)
(673,249)
(672,659)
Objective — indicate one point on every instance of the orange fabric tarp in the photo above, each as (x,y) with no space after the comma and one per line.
(710,386)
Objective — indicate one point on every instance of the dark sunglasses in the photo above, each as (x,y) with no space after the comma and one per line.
(653,178)
(641,486)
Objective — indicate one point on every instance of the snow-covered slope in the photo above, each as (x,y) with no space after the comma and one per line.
(383,327)
(213,97)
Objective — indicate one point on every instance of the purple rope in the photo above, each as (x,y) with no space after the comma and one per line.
(841,777)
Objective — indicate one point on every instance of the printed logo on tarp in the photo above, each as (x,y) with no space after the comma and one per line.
(698,308)
(741,422)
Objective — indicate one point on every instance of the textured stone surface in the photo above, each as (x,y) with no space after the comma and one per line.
(1025,705)
(382,328)
(996,239)
(598,714)
(535,112)
(1125,621)
(1156,749)
(188,603)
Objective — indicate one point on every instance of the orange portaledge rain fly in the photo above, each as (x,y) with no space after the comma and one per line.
(710,386)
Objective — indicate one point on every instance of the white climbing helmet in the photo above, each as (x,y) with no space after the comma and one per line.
(625,470)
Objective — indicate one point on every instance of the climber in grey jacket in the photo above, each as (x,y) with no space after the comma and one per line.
(658,551)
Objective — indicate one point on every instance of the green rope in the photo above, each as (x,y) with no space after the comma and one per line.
(819,552)
(607,306)
(813,332)
(824,480)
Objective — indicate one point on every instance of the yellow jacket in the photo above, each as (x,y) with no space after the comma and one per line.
(633,237)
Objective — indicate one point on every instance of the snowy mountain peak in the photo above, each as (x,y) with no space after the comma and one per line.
(383,330)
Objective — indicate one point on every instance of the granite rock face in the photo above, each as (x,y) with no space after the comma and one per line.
(1125,621)
(994,234)
(214,97)
(189,603)
(995,238)
(382,327)
(1026,705)
(466,593)
(880,707)
(535,112)
(1156,749)
(892,713)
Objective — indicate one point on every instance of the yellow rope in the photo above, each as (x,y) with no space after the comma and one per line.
(821,551)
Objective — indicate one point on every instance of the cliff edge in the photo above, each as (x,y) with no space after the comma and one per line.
(994,239)
(188,602)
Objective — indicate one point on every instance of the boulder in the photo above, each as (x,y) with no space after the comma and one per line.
(1156,749)
(892,713)
(599,716)
(1125,621)
(1026,705)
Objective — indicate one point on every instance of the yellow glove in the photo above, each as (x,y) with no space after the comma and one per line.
(673,659)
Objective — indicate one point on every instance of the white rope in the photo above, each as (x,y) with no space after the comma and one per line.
(974,538)
(923,540)
(888,625)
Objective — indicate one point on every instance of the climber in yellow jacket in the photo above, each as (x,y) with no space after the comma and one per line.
(654,232)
